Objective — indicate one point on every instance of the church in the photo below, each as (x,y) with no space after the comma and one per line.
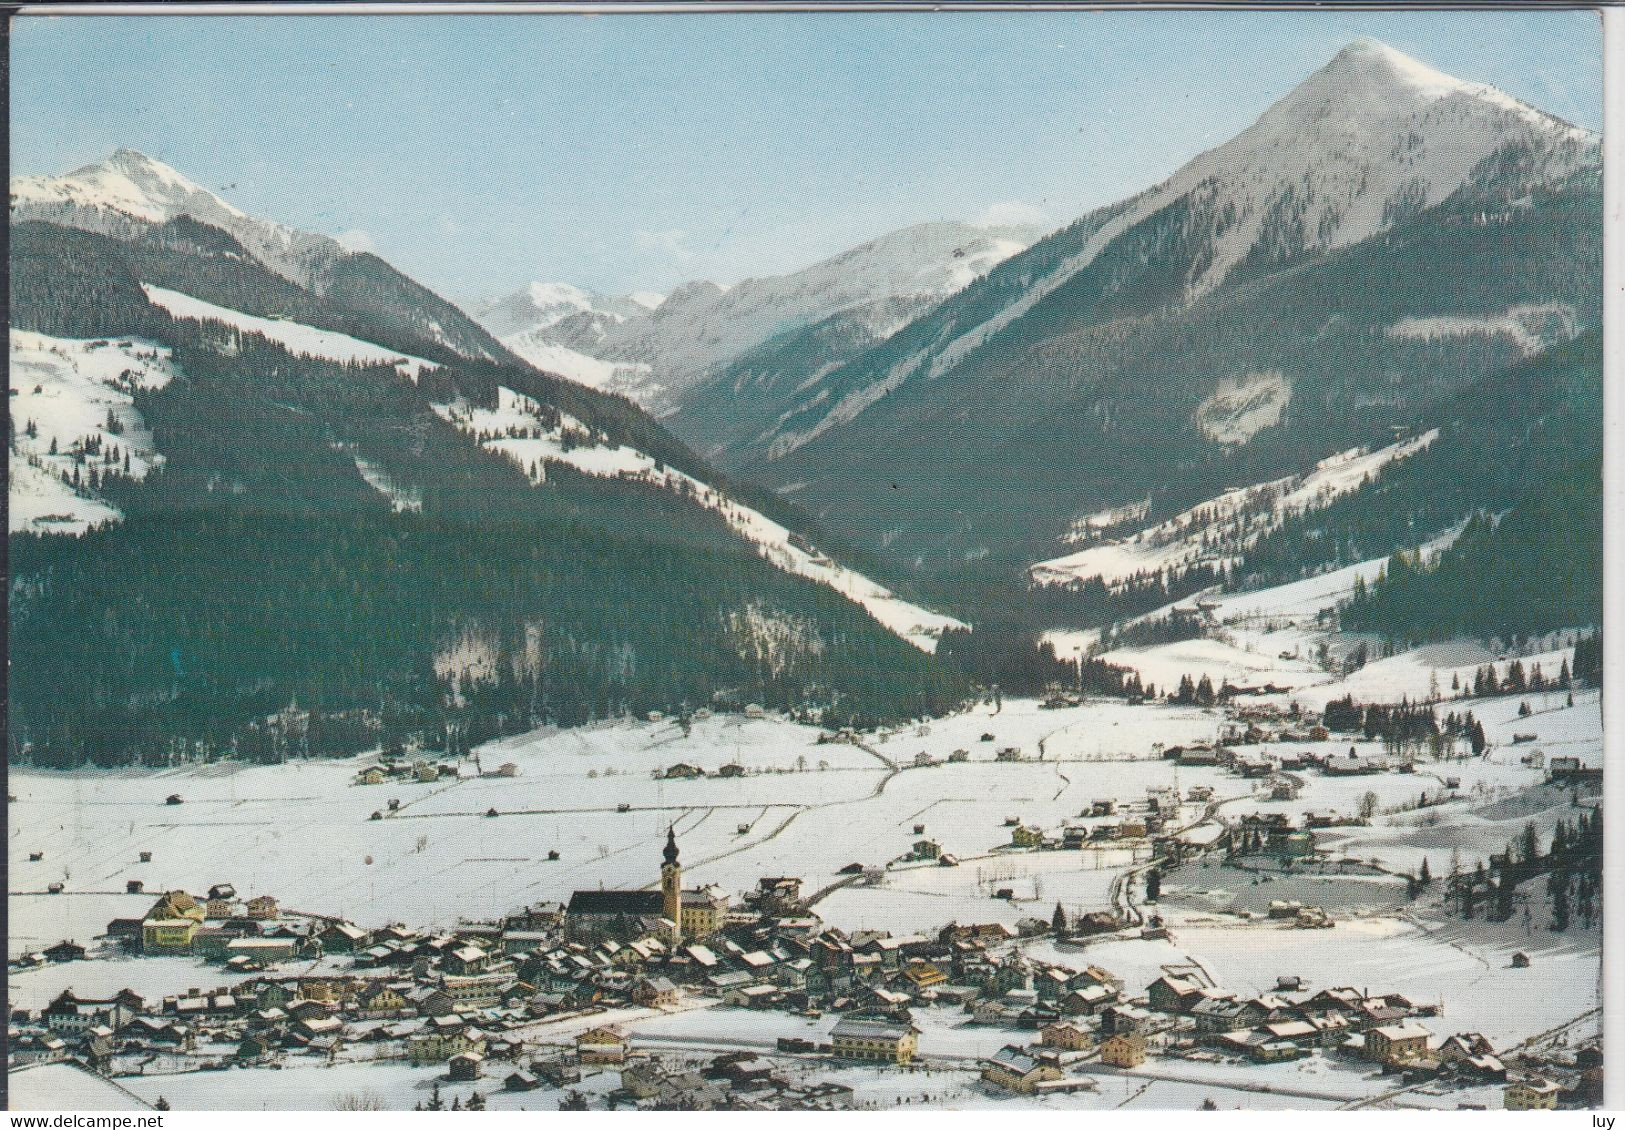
(670,910)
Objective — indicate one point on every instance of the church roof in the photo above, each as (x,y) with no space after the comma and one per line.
(615,902)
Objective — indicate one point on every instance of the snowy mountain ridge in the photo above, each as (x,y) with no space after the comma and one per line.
(129,190)
(701,325)
(541,305)
(1370,139)
(532,437)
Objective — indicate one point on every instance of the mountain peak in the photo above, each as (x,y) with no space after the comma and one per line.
(1371,63)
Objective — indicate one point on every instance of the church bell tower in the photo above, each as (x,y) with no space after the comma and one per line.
(671,885)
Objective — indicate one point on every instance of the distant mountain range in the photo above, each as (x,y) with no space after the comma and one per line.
(700,328)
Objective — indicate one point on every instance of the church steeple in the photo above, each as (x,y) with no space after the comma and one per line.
(671,885)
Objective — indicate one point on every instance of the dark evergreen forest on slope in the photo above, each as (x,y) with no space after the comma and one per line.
(258,567)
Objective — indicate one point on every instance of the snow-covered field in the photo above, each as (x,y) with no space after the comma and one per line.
(295,337)
(517,428)
(72,412)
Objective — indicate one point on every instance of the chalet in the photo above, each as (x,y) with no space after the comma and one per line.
(682,771)
(1531,1094)
(71,1014)
(601,1045)
(1224,1014)
(1087,999)
(264,951)
(441,1038)
(1123,1049)
(1395,1045)
(465,961)
(883,1040)
(36,1047)
(1066,1036)
(1169,993)
(381,999)
(732,769)
(1353,763)
(1017,1070)
(65,951)
(341,937)
(466,1067)
(1125,1018)
(262,908)
(655,992)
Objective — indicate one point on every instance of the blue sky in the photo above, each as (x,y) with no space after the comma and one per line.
(639,151)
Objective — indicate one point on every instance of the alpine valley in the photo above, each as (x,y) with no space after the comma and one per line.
(1067,662)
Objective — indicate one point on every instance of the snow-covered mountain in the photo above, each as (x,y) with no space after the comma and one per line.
(1370,139)
(542,305)
(701,326)
(130,195)
(130,191)
(559,328)
(1268,305)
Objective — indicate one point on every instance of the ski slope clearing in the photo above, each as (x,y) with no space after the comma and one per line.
(295,337)
(1531,328)
(1284,638)
(1238,410)
(1215,531)
(532,437)
(72,414)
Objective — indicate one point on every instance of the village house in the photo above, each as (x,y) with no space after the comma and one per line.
(1067,1036)
(1018,1070)
(601,1045)
(466,1067)
(1124,1049)
(443,1037)
(883,1040)
(655,992)
(1396,1045)
(1531,1094)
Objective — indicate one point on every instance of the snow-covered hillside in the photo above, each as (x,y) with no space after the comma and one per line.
(532,437)
(1216,530)
(130,190)
(295,337)
(625,378)
(701,326)
(73,420)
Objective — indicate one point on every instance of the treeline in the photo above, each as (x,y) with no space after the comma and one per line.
(1011,657)
(1537,568)
(1572,864)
